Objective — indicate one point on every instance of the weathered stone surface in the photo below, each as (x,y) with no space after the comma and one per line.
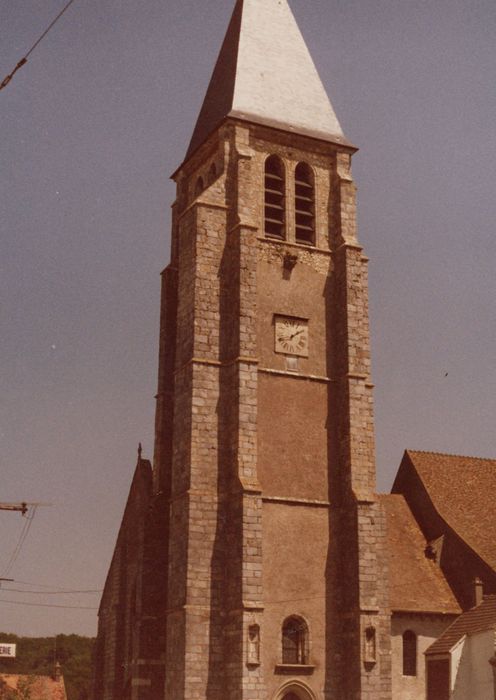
(263,506)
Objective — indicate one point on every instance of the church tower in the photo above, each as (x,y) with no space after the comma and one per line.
(275,586)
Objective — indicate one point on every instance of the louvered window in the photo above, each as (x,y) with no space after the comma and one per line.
(304,205)
(275,220)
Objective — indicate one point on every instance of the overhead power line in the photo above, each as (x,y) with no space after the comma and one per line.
(24,60)
(48,605)
(40,585)
(61,592)
(22,538)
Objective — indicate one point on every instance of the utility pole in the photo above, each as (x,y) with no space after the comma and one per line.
(19,507)
(23,509)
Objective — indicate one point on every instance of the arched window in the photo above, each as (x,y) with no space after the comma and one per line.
(199,187)
(275,219)
(409,653)
(212,174)
(294,641)
(304,204)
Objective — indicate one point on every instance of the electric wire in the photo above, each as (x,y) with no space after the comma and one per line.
(48,605)
(24,60)
(60,592)
(38,585)
(6,570)
(22,538)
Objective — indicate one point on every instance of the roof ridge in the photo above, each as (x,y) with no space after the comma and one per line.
(451,454)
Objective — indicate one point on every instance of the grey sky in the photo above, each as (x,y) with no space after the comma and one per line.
(91,128)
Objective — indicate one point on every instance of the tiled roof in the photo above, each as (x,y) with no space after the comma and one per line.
(478,619)
(40,687)
(462,491)
(417,584)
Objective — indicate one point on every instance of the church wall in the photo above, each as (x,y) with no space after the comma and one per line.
(292,413)
(295,545)
(303,294)
(292,438)
(427,628)
(118,644)
(194,637)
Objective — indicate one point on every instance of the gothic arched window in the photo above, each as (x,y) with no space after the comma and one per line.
(199,187)
(304,204)
(409,653)
(294,641)
(212,174)
(275,219)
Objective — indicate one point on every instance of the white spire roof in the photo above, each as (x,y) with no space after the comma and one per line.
(265,74)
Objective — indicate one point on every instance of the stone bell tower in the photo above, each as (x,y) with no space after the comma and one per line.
(275,584)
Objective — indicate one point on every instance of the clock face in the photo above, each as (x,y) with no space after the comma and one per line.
(291,336)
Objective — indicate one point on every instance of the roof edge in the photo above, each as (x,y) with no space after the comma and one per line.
(234,115)
(439,511)
(449,454)
(444,613)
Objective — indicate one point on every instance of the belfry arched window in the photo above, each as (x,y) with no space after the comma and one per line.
(409,653)
(294,641)
(275,218)
(304,204)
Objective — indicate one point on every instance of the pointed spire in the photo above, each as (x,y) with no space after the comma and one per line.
(265,74)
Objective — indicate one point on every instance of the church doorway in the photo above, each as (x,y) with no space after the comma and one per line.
(295,691)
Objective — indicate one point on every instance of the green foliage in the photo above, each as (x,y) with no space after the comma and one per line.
(37,656)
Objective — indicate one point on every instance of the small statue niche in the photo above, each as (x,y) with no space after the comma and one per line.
(253,645)
(370,656)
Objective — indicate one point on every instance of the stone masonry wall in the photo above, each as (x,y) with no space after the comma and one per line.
(118,641)
(216,566)
(359,519)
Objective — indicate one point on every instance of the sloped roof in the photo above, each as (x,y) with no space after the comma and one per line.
(417,584)
(478,619)
(264,73)
(462,490)
(40,687)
